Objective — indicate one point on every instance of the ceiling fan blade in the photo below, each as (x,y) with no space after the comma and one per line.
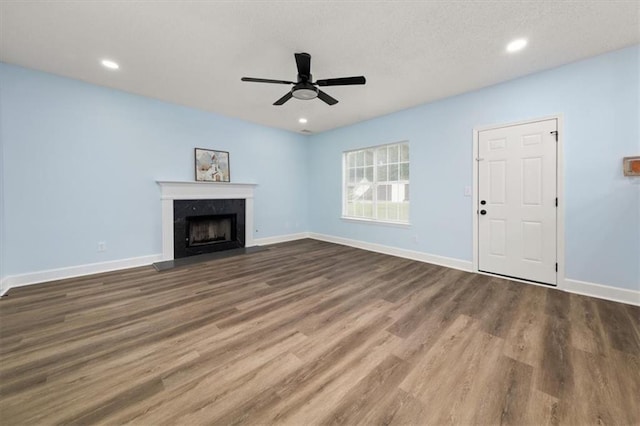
(344,81)
(303,61)
(265,80)
(326,98)
(283,99)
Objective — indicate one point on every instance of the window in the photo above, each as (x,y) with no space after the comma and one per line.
(376,183)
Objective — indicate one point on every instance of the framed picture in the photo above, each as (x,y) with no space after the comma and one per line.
(631,166)
(212,166)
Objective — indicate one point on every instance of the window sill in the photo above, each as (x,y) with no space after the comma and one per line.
(376,222)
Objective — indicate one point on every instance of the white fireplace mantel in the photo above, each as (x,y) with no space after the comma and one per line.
(173,190)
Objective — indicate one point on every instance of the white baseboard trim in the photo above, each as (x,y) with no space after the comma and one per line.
(20,280)
(449,262)
(600,291)
(630,297)
(3,286)
(280,239)
(615,294)
(13,281)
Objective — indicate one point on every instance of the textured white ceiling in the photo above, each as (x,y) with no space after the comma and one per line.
(194,52)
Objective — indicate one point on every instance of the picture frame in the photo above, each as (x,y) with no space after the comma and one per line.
(212,165)
(631,166)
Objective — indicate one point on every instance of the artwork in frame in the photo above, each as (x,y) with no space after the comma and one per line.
(212,166)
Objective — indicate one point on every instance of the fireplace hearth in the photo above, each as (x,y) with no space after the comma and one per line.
(206,226)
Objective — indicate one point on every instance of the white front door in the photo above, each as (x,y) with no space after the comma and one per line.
(517,201)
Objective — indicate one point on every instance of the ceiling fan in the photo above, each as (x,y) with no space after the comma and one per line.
(305,88)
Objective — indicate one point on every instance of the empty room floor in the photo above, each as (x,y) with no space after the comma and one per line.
(310,332)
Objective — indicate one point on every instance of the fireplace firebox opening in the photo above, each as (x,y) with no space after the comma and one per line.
(215,229)
(207,225)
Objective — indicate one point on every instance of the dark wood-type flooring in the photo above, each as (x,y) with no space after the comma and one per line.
(314,333)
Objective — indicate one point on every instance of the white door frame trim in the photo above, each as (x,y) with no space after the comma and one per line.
(560,211)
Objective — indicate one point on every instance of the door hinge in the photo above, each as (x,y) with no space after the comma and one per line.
(556,201)
(556,266)
(555,132)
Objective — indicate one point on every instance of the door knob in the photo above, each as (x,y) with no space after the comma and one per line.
(483,202)
(483,212)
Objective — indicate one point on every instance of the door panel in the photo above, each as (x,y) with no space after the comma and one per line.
(532,181)
(517,179)
(532,241)
(497,144)
(497,181)
(497,237)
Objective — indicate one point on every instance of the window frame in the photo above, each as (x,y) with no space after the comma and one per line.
(374,184)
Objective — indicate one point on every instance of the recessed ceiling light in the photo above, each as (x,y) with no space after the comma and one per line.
(516,45)
(302,120)
(110,64)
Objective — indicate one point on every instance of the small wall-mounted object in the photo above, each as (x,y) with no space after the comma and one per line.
(631,166)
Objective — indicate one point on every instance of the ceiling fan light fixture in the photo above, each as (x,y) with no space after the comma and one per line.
(302,120)
(305,93)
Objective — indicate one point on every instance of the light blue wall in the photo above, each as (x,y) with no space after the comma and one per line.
(79,164)
(81,161)
(599,100)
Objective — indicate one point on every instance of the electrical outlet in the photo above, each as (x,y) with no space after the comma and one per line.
(415,239)
(102,246)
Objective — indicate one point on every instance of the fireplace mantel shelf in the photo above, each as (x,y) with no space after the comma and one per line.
(184,190)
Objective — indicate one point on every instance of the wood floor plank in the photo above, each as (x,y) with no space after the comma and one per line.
(403,409)
(310,403)
(523,341)
(313,333)
(412,319)
(596,388)
(504,394)
(462,362)
(369,392)
(587,333)
(556,368)
(620,335)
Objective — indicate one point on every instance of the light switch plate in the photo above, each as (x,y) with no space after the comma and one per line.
(467,191)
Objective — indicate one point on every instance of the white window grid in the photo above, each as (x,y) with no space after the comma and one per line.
(356,178)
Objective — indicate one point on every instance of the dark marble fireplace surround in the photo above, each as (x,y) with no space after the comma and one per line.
(184,210)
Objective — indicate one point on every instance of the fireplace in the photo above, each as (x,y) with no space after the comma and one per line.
(172,192)
(206,226)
